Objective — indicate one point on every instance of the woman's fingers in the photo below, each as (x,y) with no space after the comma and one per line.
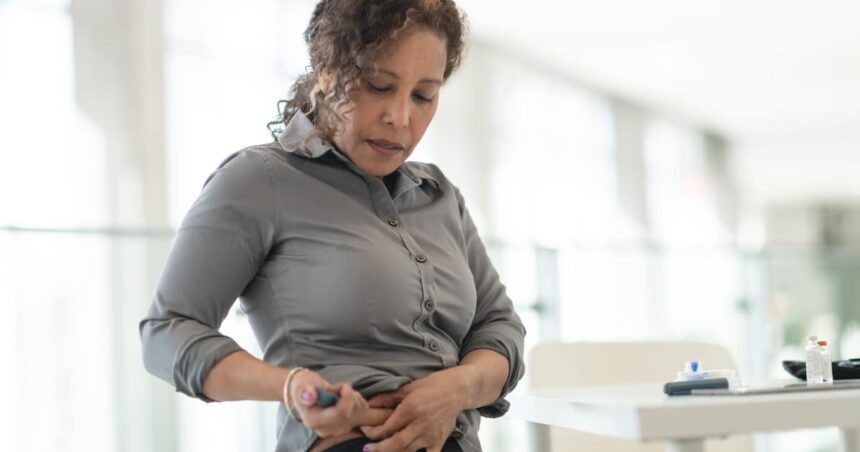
(402,440)
(360,401)
(424,418)
(329,421)
(386,400)
(407,439)
(400,418)
(351,409)
(302,388)
(308,395)
(341,417)
(373,417)
(421,443)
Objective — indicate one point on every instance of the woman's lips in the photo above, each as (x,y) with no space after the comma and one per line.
(383,147)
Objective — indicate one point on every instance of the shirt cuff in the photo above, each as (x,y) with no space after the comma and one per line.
(196,360)
(510,349)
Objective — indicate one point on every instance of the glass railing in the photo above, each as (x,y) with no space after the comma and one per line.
(72,299)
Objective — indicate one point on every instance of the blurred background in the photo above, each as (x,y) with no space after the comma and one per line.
(640,170)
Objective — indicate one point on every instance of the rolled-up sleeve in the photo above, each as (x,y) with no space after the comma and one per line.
(496,325)
(218,250)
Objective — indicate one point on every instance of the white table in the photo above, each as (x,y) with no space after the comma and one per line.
(642,412)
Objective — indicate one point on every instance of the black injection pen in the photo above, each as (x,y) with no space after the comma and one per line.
(325,398)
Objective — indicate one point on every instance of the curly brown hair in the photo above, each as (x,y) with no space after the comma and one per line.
(344,35)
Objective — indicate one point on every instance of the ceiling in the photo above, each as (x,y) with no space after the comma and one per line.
(753,70)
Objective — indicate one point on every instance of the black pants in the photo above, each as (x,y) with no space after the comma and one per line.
(355,445)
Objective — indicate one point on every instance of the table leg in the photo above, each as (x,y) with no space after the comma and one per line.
(686,445)
(539,436)
(850,439)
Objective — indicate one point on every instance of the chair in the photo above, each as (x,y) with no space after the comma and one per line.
(566,365)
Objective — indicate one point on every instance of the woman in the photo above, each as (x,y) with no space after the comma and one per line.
(355,268)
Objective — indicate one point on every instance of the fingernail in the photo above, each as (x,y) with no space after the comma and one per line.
(307,396)
(366,449)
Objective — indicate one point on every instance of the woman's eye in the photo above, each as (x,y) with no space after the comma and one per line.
(421,98)
(379,89)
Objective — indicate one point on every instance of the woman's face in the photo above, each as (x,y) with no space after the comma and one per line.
(393,105)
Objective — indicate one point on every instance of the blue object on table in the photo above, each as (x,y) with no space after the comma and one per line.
(325,398)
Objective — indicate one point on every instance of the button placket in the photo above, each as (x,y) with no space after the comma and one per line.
(386,209)
(428,294)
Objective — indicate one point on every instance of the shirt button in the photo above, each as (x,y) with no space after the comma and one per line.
(428,305)
(433,346)
(421,258)
(394,222)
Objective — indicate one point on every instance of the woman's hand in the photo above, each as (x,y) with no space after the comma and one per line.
(425,412)
(350,411)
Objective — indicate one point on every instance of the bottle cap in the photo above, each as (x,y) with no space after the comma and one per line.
(692,371)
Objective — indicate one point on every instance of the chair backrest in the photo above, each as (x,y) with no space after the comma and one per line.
(565,365)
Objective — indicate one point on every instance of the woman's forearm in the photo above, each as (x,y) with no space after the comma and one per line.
(484,375)
(241,376)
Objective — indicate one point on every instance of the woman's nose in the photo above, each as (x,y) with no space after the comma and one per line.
(398,113)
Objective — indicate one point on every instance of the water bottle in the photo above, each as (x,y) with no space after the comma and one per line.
(826,363)
(813,361)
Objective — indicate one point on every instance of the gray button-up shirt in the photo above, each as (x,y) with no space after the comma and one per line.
(335,272)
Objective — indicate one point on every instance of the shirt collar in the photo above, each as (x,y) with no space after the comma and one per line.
(300,137)
(418,174)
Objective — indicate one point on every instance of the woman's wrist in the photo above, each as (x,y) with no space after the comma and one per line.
(276,383)
(466,384)
(289,401)
(484,372)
